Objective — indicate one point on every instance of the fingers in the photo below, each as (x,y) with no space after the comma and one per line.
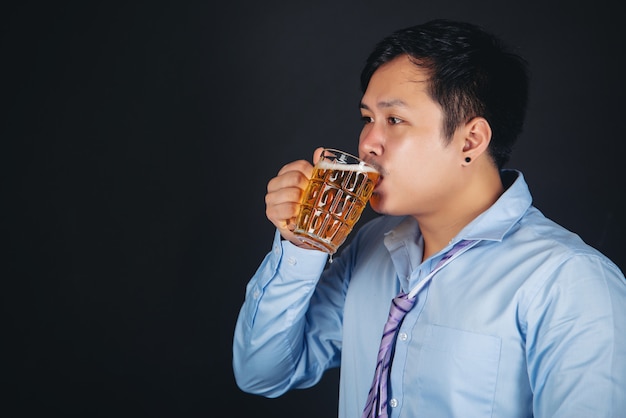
(281,209)
(301,166)
(283,216)
(283,195)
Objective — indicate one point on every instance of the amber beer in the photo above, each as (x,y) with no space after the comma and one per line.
(337,193)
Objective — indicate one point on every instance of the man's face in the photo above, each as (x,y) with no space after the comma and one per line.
(402,134)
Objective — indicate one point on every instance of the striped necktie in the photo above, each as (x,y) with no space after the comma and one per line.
(377,402)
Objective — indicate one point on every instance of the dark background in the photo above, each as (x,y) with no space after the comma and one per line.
(136,143)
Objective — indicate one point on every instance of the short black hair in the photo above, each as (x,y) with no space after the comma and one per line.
(472,73)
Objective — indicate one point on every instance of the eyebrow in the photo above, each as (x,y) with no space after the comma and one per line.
(385,104)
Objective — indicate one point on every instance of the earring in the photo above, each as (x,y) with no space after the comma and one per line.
(468,159)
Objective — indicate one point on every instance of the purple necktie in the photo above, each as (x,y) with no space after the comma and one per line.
(376,406)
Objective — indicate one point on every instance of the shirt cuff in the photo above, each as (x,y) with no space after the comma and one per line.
(290,256)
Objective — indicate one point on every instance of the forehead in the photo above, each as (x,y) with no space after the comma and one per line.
(397,80)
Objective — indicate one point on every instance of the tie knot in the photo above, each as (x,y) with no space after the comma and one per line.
(402,301)
(400,305)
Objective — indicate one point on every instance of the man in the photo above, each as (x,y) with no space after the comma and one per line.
(507,313)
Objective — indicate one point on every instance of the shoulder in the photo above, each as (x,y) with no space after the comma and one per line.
(559,264)
(560,243)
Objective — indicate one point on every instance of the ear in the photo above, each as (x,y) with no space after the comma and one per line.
(476,139)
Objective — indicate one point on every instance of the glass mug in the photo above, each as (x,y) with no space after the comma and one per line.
(337,193)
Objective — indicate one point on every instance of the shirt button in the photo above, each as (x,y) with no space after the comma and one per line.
(393,403)
(256,294)
(403,336)
(292,261)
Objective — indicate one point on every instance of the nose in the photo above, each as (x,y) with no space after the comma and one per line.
(370,141)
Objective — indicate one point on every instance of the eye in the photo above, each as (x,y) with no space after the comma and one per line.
(393,120)
(366,119)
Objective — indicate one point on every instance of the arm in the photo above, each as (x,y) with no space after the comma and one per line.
(576,341)
(273,348)
(277,344)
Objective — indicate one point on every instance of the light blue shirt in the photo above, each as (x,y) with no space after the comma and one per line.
(529,322)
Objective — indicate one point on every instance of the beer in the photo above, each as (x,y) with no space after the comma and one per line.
(334,199)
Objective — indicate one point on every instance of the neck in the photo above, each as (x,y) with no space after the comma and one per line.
(469,201)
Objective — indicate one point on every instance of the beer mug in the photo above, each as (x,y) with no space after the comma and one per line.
(337,193)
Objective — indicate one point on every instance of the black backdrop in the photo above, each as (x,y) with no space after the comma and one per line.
(137,140)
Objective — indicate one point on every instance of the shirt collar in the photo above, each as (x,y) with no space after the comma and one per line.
(404,242)
(494,223)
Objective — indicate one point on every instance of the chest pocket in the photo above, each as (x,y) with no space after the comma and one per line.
(458,373)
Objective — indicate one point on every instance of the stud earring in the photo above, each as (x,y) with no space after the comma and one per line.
(468,159)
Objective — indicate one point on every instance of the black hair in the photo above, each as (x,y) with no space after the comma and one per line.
(472,73)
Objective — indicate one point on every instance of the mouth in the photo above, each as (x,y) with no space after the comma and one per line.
(375,165)
(377,185)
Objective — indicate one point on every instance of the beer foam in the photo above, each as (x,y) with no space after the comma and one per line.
(331,165)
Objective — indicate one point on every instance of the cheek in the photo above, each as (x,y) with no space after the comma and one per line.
(413,162)
(421,171)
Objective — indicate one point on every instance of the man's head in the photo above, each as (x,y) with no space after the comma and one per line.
(471,74)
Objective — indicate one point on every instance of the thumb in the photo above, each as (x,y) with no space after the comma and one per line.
(317,154)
